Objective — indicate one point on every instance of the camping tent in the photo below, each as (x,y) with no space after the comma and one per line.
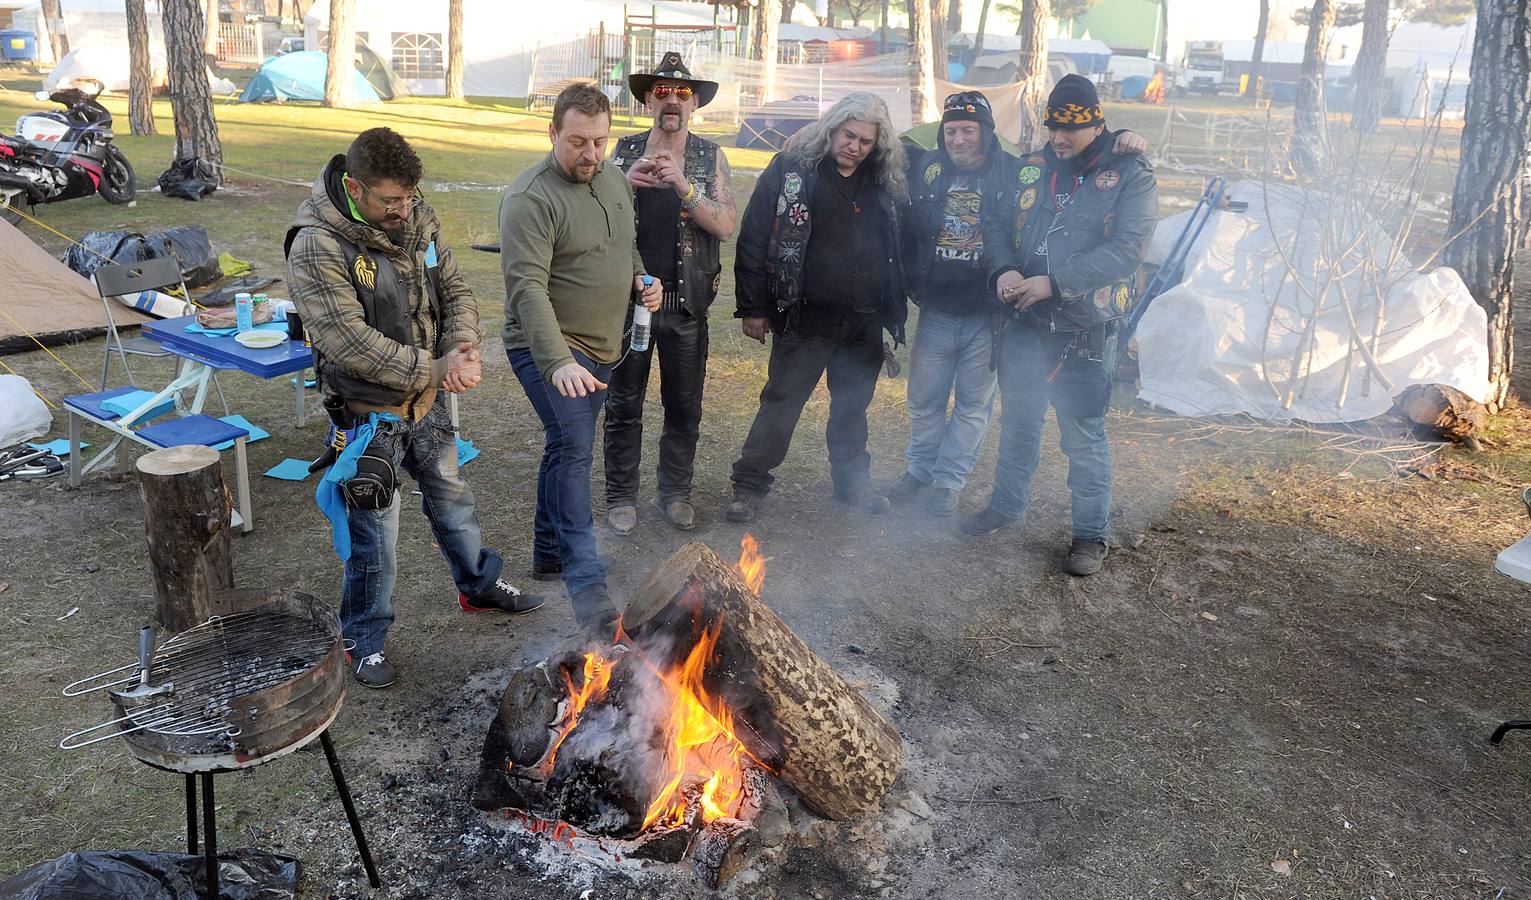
(88,22)
(298,76)
(107,62)
(46,300)
(378,73)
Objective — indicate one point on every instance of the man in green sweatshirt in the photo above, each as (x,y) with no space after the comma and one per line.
(569,252)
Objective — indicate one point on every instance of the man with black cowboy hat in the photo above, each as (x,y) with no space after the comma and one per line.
(954,189)
(1064,257)
(685,209)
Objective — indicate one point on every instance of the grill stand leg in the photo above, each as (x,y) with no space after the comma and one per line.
(191,814)
(210,836)
(345,800)
(1512,725)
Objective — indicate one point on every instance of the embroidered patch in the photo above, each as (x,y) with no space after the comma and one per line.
(793,185)
(1029,198)
(1030,174)
(781,206)
(365,272)
(619,161)
(932,172)
(797,214)
(791,251)
(1020,221)
(1122,296)
(1101,297)
(1108,224)
(1035,159)
(1107,180)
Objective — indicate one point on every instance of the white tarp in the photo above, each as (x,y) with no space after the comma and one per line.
(109,62)
(1238,334)
(23,417)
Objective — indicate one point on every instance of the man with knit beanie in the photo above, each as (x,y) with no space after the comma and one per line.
(1064,256)
(955,189)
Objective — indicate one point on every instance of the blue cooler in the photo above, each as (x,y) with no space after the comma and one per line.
(18,45)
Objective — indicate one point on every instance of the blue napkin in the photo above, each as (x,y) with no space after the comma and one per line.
(256,432)
(59,447)
(123,404)
(290,469)
(274,325)
(331,501)
(466,452)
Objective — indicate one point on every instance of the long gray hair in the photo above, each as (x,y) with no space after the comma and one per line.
(811,144)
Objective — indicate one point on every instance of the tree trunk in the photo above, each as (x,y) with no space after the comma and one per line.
(938,14)
(922,94)
(53,21)
(767,21)
(340,72)
(1033,74)
(786,11)
(186,519)
(210,30)
(1488,210)
(1257,57)
(954,17)
(1310,123)
(140,78)
(1369,77)
(821,737)
(454,49)
(196,130)
(983,22)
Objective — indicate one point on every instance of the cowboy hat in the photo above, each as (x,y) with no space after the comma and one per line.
(672,69)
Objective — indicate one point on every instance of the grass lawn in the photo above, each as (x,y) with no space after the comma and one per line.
(1295,654)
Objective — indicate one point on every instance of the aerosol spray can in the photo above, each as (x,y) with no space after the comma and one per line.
(641,316)
(244,311)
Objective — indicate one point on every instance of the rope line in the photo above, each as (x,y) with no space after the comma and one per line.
(50,404)
(88,385)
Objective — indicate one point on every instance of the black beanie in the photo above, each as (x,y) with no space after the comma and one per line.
(1074,104)
(968,106)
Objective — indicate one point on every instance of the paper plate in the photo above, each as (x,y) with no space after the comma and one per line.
(260,340)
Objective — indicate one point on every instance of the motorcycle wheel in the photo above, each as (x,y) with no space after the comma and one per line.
(10,206)
(117,182)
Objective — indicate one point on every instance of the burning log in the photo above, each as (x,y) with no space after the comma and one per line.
(723,848)
(818,735)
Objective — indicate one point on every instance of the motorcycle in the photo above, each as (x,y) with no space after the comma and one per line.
(58,156)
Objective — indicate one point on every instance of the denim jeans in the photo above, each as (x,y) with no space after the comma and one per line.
(427,450)
(1079,390)
(564,529)
(949,352)
(680,342)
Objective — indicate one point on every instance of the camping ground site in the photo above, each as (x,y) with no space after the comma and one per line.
(1281,685)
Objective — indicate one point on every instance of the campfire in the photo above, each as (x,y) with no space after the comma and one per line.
(669,743)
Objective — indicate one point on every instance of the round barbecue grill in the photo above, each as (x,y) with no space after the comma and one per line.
(234,692)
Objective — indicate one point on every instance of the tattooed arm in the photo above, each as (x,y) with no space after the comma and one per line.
(718,215)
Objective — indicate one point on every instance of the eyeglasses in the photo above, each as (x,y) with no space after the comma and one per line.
(664,91)
(407,202)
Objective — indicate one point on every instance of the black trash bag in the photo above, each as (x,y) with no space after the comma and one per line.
(144,875)
(247,284)
(191,178)
(99,248)
(192,248)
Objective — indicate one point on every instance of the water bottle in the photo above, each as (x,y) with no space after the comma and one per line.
(244,312)
(641,317)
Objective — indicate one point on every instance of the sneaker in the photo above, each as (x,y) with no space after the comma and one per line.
(986,521)
(1084,557)
(502,596)
(596,614)
(681,514)
(372,671)
(905,488)
(547,571)
(861,495)
(622,519)
(744,507)
(942,502)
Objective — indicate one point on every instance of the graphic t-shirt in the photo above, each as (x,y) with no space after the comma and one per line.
(960,239)
(958,279)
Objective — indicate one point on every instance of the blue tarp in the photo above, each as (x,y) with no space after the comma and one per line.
(298,76)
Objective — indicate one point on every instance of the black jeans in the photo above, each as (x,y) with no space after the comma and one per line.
(680,339)
(849,349)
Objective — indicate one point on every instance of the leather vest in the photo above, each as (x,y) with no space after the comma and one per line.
(698,258)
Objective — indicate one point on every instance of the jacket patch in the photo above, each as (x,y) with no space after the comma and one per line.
(1108,224)
(1122,296)
(781,205)
(365,272)
(1101,297)
(1030,174)
(1029,198)
(797,214)
(792,185)
(932,172)
(1107,179)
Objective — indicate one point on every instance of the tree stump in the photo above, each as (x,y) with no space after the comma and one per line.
(186,519)
(801,719)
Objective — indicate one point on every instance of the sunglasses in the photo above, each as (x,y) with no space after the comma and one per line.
(396,206)
(665,91)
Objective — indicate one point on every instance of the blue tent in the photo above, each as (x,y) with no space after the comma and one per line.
(298,76)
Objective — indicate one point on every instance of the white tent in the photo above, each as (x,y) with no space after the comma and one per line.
(108,63)
(87,23)
(1239,334)
(499,38)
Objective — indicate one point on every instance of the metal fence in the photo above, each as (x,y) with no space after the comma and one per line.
(248,42)
(605,59)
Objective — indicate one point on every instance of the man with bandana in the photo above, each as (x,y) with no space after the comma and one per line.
(1065,259)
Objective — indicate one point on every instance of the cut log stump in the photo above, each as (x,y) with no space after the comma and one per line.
(819,736)
(186,518)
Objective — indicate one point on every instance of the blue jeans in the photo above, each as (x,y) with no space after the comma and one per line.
(564,530)
(1030,375)
(949,352)
(427,450)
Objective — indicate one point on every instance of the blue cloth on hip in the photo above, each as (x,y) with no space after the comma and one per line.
(331,501)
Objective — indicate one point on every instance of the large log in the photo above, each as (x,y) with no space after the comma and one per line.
(817,734)
(186,518)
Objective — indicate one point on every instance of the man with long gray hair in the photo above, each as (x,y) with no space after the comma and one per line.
(816,267)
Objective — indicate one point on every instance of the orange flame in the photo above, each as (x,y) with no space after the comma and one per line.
(597,679)
(752,566)
(703,747)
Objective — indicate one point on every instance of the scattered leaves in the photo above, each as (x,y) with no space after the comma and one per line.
(1209,617)
(1282,867)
